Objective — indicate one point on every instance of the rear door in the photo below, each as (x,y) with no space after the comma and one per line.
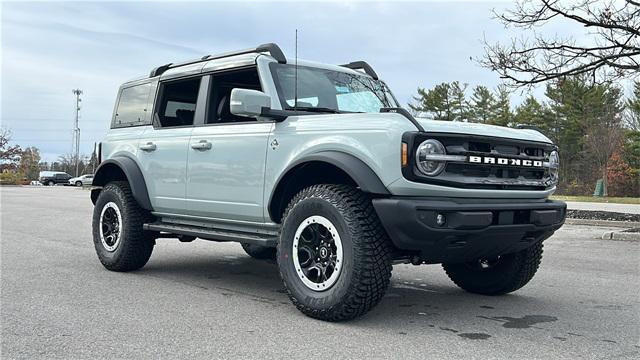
(163,148)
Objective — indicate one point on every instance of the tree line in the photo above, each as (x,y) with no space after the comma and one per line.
(20,165)
(595,126)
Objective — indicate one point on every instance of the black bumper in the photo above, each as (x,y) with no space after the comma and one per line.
(473,228)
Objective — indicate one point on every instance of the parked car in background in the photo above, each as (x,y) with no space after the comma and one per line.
(81,180)
(51,178)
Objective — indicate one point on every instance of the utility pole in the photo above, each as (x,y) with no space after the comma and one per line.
(94,158)
(76,131)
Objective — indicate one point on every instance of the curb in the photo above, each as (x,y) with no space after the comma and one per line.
(605,223)
(619,235)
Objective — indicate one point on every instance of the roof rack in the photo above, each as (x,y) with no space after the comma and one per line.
(273,49)
(362,65)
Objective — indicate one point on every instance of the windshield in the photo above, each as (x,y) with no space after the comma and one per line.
(332,91)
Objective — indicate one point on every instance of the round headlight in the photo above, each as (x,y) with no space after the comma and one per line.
(425,157)
(554,166)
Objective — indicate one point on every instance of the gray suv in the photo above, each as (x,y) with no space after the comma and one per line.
(318,167)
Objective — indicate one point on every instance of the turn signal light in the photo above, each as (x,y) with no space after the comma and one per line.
(405,159)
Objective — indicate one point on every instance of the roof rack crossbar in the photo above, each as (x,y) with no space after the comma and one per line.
(362,65)
(273,49)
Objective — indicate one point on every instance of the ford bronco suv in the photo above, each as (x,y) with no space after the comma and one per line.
(318,167)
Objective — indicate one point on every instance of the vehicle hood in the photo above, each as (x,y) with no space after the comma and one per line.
(457,127)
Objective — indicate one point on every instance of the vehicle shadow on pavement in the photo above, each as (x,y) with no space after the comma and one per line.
(407,306)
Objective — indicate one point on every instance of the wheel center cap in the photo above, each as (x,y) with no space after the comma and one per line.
(324,252)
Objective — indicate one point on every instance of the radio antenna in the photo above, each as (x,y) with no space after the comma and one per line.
(295,87)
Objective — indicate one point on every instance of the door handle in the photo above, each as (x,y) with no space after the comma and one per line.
(148,146)
(201,145)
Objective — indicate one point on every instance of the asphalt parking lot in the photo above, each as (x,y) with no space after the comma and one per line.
(210,300)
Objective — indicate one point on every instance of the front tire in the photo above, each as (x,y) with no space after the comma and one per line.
(498,276)
(334,256)
(51,183)
(118,236)
(78,183)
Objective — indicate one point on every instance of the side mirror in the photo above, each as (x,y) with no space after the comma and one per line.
(249,103)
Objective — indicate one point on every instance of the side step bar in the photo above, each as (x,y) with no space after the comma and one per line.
(213,234)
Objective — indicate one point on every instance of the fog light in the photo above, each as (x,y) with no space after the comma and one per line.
(441,219)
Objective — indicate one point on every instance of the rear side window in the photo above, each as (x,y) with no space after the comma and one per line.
(177,106)
(132,106)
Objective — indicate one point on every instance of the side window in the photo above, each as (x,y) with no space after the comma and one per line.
(132,105)
(220,94)
(177,106)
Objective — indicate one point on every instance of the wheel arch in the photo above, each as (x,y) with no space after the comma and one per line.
(322,167)
(122,168)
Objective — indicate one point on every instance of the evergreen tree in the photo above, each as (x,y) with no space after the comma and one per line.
(482,105)
(588,125)
(434,102)
(633,107)
(502,114)
(631,143)
(531,112)
(445,101)
(459,104)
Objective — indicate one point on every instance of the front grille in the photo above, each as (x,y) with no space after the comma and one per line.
(488,171)
(488,176)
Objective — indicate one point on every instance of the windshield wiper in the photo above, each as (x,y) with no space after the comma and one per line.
(315,109)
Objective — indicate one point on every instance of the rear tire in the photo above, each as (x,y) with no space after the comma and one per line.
(499,276)
(260,252)
(118,237)
(333,217)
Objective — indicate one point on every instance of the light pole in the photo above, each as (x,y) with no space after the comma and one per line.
(76,130)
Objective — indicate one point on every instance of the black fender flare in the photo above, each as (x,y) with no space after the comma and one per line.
(366,179)
(133,174)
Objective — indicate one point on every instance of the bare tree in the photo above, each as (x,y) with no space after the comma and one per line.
(602,142)
(9,154)
(67,163)
(611,51)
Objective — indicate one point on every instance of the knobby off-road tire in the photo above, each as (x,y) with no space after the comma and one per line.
(260,252)
(509,273)
(133,246)
(365,269)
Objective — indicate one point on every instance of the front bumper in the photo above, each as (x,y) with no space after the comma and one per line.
(473,228)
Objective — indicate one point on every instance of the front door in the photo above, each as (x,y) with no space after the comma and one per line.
(225,175)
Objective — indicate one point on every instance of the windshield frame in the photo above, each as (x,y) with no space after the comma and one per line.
(389,97)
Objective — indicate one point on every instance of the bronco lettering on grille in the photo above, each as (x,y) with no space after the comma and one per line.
(504,161)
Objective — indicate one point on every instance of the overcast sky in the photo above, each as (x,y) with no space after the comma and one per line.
(50,48)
